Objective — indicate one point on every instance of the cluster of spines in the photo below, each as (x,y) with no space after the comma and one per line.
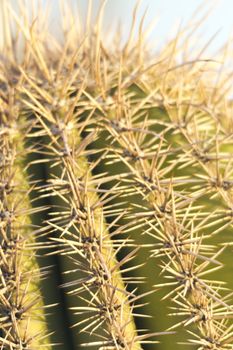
(22,320)
(177,200)
(84,236)
(156,127)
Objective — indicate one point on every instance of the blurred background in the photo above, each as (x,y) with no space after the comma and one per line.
(168,15)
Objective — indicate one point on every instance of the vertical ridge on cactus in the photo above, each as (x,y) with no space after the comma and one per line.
(21,305)
(135,149)
(83,233)
(175,223)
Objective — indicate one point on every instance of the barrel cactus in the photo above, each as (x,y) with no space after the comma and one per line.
(116,200)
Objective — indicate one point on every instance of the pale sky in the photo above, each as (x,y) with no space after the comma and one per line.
(169,13)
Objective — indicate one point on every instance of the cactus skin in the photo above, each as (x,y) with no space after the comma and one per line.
(21,306)
(79,220)
(137,153)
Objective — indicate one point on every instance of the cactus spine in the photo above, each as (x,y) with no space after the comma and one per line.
(136,153)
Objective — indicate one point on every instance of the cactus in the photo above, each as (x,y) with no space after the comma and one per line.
(115,166)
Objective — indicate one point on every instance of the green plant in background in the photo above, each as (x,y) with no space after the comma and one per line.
(116,194)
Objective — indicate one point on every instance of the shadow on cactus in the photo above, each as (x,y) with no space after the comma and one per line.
(116,189)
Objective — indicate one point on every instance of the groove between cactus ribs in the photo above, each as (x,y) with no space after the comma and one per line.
(84,238)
